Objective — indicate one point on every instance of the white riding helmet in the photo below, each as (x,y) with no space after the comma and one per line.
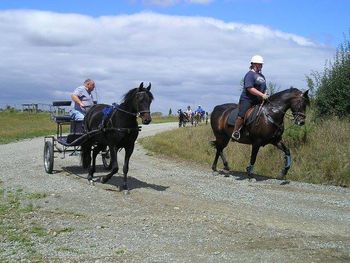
(257,59)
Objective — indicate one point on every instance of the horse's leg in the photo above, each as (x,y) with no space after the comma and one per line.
(115,167)
(250,168)
(287,159)
(215,163)
(220,144)
(92,168)
(128,152)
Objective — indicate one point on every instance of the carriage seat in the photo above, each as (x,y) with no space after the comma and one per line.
(59,114)
(64,118)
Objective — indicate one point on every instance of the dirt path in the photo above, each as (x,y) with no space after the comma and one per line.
(175,212)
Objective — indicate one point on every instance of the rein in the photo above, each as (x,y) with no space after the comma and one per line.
(295,115)
(136,114)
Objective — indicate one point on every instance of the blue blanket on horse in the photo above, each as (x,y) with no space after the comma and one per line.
(107,114)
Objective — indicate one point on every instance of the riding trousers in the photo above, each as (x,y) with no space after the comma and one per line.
(244,105)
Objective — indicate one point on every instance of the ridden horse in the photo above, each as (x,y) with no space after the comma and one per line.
(120,130)
(182,118)
(267,128)
(197,117)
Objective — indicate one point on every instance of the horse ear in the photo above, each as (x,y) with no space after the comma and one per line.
(149,86)
(141,85)
(306,94)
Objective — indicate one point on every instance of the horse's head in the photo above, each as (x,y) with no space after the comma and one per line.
(142,101)
(298,107)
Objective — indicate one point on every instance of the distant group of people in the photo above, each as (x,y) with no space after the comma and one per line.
(190,113)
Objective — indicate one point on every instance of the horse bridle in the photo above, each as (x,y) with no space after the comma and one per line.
(137,114)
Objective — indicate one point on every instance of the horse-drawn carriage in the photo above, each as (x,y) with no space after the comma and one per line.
(63,143)
(105,129)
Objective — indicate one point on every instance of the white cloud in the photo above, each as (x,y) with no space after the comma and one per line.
(173,2)
(189,60)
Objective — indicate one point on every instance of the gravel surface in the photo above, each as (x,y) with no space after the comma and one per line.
(176,211)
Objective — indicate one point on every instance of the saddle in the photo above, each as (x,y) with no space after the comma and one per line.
(250,116)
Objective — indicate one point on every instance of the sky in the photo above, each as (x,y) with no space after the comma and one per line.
(194,52)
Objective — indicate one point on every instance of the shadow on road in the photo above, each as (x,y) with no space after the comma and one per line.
(240,176)
(116,180)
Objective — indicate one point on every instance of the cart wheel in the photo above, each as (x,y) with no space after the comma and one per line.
(106,159)
(48,157)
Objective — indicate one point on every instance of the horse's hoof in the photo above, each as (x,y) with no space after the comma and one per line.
(285,182)
(282,175)
(91,182)
(126,192)
(103,180)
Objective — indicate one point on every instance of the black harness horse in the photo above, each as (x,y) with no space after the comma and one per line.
(267,128)
(120,130)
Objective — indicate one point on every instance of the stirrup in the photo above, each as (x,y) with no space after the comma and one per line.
(236,135)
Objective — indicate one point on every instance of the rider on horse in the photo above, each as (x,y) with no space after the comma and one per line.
(200,111)
(254,91)
(188,112)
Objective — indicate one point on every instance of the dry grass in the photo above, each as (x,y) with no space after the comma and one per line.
(320,151)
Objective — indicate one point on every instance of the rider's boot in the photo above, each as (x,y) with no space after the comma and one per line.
(236,135)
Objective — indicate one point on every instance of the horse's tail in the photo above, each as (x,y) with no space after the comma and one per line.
(85,155)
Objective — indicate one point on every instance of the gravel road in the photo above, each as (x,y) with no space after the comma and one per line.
(176,211)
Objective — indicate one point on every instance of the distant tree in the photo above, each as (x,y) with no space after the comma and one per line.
(170,112)
(332,95)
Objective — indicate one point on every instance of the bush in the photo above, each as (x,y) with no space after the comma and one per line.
(333,85)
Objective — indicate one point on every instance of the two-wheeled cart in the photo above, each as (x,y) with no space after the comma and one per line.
(67,143)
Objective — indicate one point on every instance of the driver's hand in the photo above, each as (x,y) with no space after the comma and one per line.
(265,96)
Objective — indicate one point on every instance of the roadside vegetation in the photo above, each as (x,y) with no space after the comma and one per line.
(18,225)
(16,125)
(320,151)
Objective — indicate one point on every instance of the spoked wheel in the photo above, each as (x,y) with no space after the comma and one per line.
(106,159)
(48,157)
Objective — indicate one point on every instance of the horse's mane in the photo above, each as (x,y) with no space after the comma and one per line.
(281,94)
(131,93)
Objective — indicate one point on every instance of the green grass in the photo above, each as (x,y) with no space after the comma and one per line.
(21,125)
(320,151)
(18,224)
(162,119)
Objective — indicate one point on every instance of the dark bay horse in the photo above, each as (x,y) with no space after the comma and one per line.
(120,130)
(182,118)
(267,128)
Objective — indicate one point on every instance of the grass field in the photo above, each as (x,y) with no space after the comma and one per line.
(320,151)
(22,125)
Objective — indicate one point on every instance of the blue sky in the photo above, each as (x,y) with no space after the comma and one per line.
(193,51)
